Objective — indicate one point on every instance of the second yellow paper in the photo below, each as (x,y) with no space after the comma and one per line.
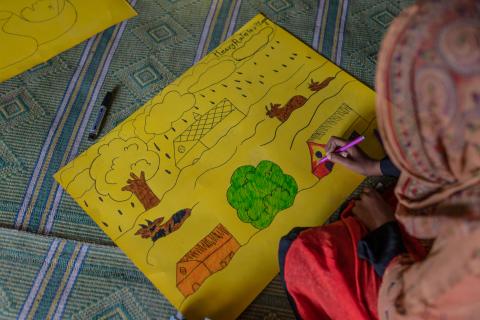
(33,31)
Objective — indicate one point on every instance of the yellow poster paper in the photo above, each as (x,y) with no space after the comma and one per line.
(33,31)
(199,184)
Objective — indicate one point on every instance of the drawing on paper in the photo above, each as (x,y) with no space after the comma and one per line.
(282,113)
(23,25)
(206,138)
(211,254)
(317,152)
(345,116)
(298,101)
(260,193)
(203,134)
(36,30)
(122,169)
(155,229)
(138,186)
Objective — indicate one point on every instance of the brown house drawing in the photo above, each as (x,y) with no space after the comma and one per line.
(209,255)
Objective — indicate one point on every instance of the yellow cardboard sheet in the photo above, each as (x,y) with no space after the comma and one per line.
(33,31)
(199,184)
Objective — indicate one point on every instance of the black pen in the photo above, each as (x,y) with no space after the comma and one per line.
(106,104)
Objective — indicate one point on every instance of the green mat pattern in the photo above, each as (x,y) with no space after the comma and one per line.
(59,264)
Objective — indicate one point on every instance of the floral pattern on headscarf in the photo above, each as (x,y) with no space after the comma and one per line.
(428,106)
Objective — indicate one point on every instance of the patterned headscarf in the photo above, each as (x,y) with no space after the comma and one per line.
(428,106)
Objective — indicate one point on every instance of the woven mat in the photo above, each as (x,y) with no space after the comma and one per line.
(60,264)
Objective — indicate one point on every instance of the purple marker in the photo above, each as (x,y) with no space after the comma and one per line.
(352,143)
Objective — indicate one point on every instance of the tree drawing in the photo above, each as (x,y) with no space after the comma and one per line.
(139,187)
(123,168)
(259,193)
(174,105)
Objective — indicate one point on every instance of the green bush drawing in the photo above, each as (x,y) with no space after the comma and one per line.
(258,194)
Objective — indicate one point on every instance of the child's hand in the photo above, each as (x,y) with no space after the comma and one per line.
(353,158)
(372,209)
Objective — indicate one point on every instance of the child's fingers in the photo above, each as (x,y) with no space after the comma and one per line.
(333,143)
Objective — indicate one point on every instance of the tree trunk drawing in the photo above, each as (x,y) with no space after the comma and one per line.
(139,187)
